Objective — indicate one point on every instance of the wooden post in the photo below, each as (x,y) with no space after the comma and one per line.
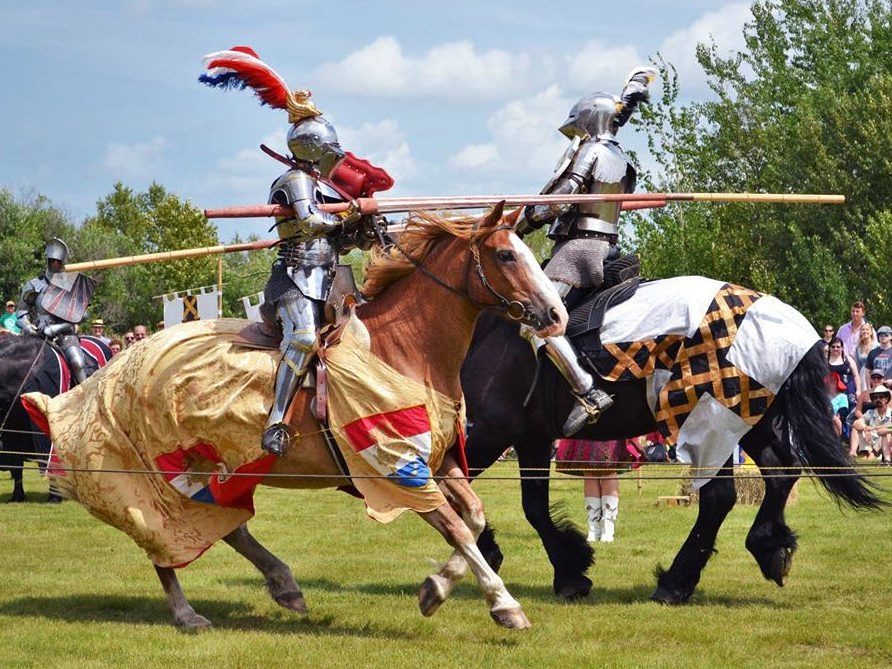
(220,286)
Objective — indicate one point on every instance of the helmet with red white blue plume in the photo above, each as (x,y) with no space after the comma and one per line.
(240,67)
(311,138)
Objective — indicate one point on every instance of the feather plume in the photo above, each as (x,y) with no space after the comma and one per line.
(240,67)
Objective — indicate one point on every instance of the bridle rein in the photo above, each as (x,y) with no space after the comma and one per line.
(515,310)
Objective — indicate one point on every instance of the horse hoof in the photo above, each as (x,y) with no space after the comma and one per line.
(779,566)
(668,597)
(193,623)
(431,595)
(573,590)
(512,619)
(293,601)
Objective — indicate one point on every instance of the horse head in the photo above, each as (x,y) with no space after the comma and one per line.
(510,278)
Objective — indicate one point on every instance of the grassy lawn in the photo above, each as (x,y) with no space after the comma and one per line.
(80,594)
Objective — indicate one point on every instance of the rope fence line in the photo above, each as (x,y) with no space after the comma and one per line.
(884,472)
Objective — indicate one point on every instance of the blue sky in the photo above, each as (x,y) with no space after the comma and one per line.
(451,97)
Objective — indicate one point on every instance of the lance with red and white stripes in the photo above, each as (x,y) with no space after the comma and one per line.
(387,205)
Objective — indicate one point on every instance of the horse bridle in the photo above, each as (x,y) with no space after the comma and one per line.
(515,310)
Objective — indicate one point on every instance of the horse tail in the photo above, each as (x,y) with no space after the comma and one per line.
(806,423)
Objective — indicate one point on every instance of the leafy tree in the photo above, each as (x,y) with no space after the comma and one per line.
(129,223)
(802,108)
(26,224)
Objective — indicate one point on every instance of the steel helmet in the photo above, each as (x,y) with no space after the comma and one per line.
(315,141)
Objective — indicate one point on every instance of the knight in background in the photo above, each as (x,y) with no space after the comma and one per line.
(53,303)
(586,234)
(311,239)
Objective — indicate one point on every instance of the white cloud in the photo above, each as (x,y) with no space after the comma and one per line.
(524,137)
(599,66)
(454,71)
(725,26)
(381,143)
(134,160)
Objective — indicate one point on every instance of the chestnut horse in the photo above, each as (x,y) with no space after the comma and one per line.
(426,293)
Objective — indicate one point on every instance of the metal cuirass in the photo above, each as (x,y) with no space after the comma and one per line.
(599,166)
(310,243)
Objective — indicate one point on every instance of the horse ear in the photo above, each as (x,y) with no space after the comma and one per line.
(494,217)
(512,216)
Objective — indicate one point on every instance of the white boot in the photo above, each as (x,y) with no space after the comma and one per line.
(593,510)
(608,519)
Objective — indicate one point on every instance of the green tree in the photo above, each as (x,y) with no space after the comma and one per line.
(803,107)
(26,224)
(129,223)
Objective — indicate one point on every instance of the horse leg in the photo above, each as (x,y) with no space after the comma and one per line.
(568,551)
(483,447)
(717,498)
(770,540)
(183,614)
(279,579)
(503,608)
(18,488)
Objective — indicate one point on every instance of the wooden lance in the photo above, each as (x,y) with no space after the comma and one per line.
(126,261)
(628,200)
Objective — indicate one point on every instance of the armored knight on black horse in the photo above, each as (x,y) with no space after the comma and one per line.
(585,235)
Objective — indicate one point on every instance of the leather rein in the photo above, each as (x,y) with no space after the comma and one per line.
(515,310)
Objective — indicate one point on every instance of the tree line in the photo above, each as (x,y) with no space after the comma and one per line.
(803,107)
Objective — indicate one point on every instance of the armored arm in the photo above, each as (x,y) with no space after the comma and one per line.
(299,190)
(56,329)
(23,310)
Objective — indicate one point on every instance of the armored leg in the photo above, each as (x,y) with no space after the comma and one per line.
(74,356)
(299,325)
(592,400)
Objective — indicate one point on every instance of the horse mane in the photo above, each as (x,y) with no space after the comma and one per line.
(424,230)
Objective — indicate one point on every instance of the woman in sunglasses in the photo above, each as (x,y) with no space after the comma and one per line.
(844,365)
(875,426)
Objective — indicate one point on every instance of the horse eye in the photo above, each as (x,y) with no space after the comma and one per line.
(505,256)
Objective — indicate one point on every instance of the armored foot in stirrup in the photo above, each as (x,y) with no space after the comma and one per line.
(276,439)
(588,409)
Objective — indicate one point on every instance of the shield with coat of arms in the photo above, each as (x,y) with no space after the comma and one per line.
(68,295)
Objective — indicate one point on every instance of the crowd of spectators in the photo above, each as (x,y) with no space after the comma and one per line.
(860,360)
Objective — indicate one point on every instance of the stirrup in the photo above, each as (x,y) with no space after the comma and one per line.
(276,439)
(588,409)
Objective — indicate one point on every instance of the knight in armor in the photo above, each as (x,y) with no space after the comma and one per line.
(586,234)
(52,305)
(301,277)
(310,240)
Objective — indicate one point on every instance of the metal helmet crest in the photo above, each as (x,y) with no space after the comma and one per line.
(592,116)
(315,141)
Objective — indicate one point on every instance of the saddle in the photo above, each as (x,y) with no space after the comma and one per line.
(587,307)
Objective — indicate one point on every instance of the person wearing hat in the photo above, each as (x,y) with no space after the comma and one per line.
(880,358)
(875,426)
(8,319)
(862,403)
(97,329)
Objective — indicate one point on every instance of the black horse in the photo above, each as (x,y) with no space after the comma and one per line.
(30,364)
(795,431)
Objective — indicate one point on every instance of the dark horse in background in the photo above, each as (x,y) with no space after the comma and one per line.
(796,432)
(30,364)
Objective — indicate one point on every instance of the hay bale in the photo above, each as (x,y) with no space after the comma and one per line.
(748,483)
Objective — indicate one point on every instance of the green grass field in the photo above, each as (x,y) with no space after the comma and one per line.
(77,593)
